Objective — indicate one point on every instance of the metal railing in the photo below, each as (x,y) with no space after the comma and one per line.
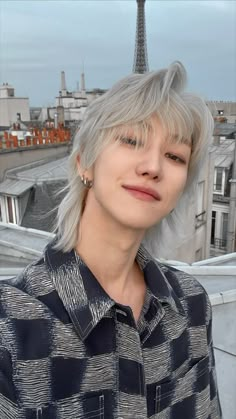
(221,198)
(218,243)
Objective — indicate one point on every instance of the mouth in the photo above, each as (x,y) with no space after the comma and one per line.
(143,193)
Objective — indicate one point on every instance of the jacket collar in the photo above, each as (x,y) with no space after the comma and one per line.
(83,297)
(157,277)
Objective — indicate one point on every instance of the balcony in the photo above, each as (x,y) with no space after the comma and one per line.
(221,198)
(219,243)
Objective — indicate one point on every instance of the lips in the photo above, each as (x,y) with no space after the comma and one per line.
(145,190)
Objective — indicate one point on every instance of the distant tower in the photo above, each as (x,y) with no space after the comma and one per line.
(140,54)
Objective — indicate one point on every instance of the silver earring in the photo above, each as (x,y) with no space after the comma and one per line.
(86,182)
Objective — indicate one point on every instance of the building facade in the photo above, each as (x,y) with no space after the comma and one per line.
(223,167)
(223,111)
(12,107)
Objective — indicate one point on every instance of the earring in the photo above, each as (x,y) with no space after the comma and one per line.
(86,182)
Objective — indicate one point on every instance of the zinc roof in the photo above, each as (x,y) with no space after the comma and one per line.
(224,153)
(15,187)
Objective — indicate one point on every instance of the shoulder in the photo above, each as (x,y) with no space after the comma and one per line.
(22,292)
(182,281)
(190,292)
(27,280)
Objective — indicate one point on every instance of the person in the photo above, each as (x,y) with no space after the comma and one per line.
(99,327)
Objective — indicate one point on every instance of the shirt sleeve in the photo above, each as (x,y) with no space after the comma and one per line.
(8,403)
(216,412)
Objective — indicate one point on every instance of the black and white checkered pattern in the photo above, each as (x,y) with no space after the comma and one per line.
(68,351)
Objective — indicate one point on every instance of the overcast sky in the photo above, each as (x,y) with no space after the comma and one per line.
(40,38)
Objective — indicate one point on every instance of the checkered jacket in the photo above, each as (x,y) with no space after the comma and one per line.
(68,351)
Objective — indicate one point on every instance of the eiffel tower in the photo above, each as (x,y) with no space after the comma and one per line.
(140,54)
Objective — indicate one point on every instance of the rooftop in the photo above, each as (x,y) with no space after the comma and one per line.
(224,153)
(224,129)
(15,187)
(41,172)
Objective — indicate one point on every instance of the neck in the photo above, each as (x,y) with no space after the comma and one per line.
(109,250)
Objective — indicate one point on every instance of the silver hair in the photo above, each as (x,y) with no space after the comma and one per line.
(132,103)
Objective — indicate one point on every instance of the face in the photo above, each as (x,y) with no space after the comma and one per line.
(138,186)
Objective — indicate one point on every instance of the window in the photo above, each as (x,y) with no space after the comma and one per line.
(11,213)
(224,224)
(219,227)
(219,177)
(213,225)
(10,209)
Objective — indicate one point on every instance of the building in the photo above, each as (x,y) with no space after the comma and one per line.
(69,106)
(26,135)
(223,111)
(29,194)
(224,151)
(12,108)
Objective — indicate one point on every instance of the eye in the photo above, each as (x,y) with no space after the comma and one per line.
(131,141)
(177,159)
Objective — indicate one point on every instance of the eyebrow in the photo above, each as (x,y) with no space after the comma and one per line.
(172,139)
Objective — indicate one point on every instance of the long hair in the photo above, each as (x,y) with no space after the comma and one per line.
(132,103)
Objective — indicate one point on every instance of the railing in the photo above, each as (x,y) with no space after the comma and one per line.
(219,243)
(220,198)
(217,187)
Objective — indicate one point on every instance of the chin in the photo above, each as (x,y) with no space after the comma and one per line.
(139,224)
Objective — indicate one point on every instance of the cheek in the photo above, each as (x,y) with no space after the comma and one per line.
(176,186)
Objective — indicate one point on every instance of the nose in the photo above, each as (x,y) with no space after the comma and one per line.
(150,164)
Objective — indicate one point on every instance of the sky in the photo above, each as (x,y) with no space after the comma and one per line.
(40,38)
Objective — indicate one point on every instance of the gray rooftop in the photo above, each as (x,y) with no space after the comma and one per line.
(18,247)
(224,153)
(50,171)
(15,187)
(224,129)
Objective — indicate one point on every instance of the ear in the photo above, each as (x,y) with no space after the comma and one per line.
(82,171)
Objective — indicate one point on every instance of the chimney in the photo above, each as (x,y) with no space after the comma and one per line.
(63,84)
(82,82)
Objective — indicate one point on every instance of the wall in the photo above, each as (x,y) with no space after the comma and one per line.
(22,204)
(9,107)
(11,159)
(229,108)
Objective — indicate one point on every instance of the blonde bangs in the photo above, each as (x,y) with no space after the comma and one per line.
(139,131)
(177,121)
